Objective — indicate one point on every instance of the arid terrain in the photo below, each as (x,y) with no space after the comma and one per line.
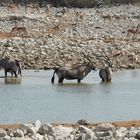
(46,38)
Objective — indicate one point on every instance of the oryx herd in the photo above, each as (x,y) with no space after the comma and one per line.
(70,71)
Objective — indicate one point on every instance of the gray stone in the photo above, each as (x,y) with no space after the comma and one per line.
(61,132)
(105,127)
(27,138)
(119,135)
(108,134)
(28,129)
(133,138)
(137,136)
(6,138)
(83,122)
(46,129)
(37,125)
(2,133)
(18,133)
(84,133)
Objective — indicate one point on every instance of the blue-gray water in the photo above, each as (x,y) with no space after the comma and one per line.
(37,99)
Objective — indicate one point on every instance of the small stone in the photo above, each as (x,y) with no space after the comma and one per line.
(18,133)
(28,129)
(83,122)
(118,135)
(46,129)
(2,133)
(6,138)
(137,136)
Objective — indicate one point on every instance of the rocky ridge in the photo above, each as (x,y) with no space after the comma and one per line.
(57,36)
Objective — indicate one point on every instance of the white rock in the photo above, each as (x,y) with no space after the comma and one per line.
(119,135)
(29,128)
(37,125)
(37,137)
(61,132)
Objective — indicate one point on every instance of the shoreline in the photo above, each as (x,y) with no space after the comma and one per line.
(133,123)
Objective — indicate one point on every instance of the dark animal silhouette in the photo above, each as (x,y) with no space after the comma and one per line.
(12,66)
(105,74)
(76,71)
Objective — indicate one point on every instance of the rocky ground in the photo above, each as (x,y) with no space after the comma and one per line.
(57,36)
(82,130)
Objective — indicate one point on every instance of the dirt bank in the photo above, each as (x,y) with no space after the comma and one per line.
(135,123)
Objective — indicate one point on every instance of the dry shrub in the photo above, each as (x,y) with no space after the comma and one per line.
(19,31)
(4,35)
(109,40)
(53,30)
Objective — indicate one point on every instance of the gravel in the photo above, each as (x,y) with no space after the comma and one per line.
(62,35)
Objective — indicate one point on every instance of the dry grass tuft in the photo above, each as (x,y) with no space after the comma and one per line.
(4,35)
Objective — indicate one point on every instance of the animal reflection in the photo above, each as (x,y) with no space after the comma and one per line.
(11,66)
(76,71)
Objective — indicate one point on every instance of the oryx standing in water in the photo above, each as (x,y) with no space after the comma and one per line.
(76,71)
(105,73)
(12,66)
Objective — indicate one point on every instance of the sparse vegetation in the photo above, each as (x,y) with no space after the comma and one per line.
(69,3)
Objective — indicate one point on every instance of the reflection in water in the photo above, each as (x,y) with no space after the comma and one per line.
(36,98)
(135,73)
(74,88)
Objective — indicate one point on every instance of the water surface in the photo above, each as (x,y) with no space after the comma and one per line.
(36,98)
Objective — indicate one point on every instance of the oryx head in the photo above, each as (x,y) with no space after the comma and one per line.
(93,67)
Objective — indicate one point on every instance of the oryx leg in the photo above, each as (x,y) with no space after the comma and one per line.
(109,80)
(78,80)
(15,73)
(103,80)
(60,80)
(11,74)
(5,71)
